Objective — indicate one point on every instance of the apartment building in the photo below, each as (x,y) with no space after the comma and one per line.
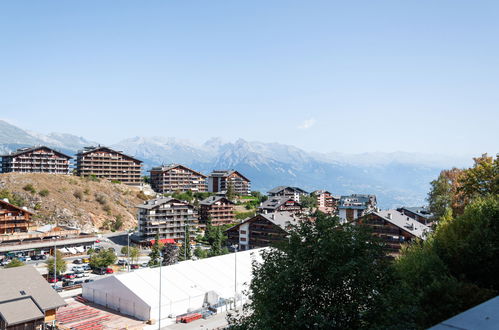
(285,191)
(421,214)
(167,216)
(261,230)
(177,178)
(220,180)
(394,229)
(110,164)
(218,209)
(13,219)
(39,159)
(326,202)
(280,204)
(354,206)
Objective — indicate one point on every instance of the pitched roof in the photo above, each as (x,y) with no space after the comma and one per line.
(88,150)
(164,168)
(20,310)
(278,189)
(213,199)
(356,201)
(421,211)
(15,281)
(30,149)
(282,219)
(275,202)
(3,201)
(226,173)
(153,203)
(405,223)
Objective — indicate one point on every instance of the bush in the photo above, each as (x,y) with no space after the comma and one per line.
(118,223)
(101,199)
(86,191)
(44,193)
(142,196)
(13,198)
(244,215)
(115,181)
(29,187)
(92,177)
(106,208)
(78,195)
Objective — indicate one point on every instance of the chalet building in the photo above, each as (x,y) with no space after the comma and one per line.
(26,299)
(420,214)
(36,160)
(291,192)
(218,209)
(109,164)
(261,230)
(219,181)
(280,204)
(177,178)
(168,216)
(13,219)
(326,202)
(354,206)
(394,229)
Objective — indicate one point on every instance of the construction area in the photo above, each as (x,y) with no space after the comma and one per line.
(80,314)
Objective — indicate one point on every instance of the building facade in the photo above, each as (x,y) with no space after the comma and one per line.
(394,229)
(167,216)
(219,181)
(326,202)
(106,163)
(261,230)
(13,219)
(177,178)
(354,206)
(218,209)
(36,160)
(284,191)
(280,204)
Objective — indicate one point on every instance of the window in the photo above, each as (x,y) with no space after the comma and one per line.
(242,231)
(242,239)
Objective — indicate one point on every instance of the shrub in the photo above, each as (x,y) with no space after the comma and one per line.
(38,206)
(44,193)
(106,208)
(115,181)
(118,223)
(86,191)
(101,199)
(13,198)
(78,195)
(92,177)
(142,196)
(29,187)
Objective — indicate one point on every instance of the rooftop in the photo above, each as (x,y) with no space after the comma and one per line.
(29,149)
(405,223)
(276,202)
(213,199)
(153,203)
(278,189)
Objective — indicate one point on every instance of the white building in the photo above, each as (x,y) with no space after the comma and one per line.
(185,287)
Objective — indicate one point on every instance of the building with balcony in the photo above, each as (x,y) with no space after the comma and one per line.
(280,204)
(39,159)
(218,209)
(326,202)
(354,206)
(261,230)
(177,178)
(421,214)
(284,191)
(107,163)
(394,229)
(219,181)
(167,216)
(13,219)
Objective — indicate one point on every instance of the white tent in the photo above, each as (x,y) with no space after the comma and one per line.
(184,286)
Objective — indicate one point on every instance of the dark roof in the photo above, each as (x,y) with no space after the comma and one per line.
(26,279)
(275,202)
(91,149)
(226,173)
(356,201)
(30,149)
(153,203)
(165,168)
(213,199)
(421,211)
(281,219)
(20,310)
(278,189)
(16,207)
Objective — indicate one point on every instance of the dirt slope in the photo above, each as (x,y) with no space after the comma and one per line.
(71,200)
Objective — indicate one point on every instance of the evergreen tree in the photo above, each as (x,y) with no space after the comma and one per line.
(185,250)
(60,264)
(155,252)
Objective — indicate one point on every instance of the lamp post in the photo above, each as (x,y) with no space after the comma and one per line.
(235,246)
(159,307)
(55,261)
(128,250)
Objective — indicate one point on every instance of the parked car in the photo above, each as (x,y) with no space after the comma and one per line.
(99,271)
(109,270)
(69,275)
(122,262)
(97,241)
(144,264)
(78,269)
(88,280)
(86,267)
(85,260)
(68,283)
(135,266)
(52,279)
(77,261)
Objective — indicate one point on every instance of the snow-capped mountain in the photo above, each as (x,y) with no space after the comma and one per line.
(396,178)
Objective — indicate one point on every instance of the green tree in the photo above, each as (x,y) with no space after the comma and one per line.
(230,193)
(482,179)
(170,254)
(14,263)
(326,276)
(134,253)
(185,252)
(155,254)
(13,198)
(60,264)
(103,258)
(200,253)
(308,201)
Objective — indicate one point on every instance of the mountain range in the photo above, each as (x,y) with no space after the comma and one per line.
(398,178)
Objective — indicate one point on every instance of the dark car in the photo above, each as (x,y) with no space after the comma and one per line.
(88,280)
(77,261)
(135,266)
(68,283)
(99,271)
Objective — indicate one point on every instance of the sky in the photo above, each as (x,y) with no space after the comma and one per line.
(345,76)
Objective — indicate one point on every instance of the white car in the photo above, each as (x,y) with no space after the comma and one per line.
(78,269)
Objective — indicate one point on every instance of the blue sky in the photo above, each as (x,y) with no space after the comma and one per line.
(349,76)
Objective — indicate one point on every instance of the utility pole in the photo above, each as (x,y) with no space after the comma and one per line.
(235,274)
(159,307)
(128,251)
(55,262)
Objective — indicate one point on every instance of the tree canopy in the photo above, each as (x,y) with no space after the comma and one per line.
(103,258)
(60,264)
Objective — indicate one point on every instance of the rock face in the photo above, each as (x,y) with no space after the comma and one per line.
(74,201)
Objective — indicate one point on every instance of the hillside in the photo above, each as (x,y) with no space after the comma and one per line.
(70,200)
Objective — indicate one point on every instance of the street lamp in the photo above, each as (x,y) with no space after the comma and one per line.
(159,308)
(128,250)
(55,261)
(235,246)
